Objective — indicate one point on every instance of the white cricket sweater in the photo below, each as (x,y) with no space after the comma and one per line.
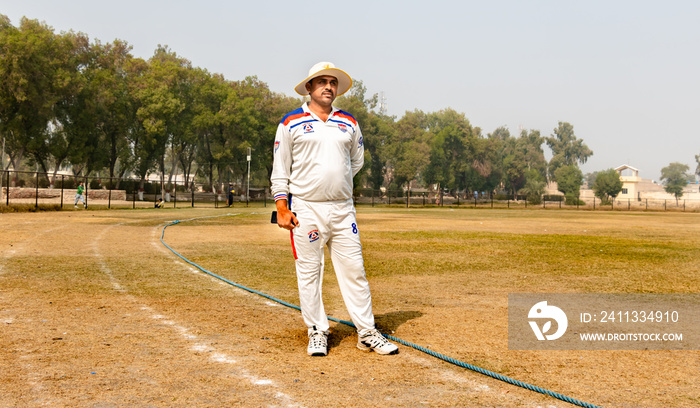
(316,161)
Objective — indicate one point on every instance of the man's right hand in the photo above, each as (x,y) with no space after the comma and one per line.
(285,218)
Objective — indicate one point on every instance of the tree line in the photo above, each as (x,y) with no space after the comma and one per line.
(91,107)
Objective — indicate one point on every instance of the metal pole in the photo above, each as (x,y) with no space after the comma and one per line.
(109,202)
(247,194)
(62,191)
(36,191)
(86,191)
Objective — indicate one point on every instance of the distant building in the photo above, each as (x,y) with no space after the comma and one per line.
(637,188)
(630,181)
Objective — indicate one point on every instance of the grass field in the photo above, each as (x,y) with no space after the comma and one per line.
(96,312)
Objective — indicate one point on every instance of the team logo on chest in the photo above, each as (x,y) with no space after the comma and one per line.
(313,235)
(308,128)
(343,128)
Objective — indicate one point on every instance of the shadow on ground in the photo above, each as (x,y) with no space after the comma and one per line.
(386,323)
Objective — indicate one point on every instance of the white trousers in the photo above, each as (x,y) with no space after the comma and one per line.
(332,224)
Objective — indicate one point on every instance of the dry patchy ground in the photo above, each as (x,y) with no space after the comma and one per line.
(96,312)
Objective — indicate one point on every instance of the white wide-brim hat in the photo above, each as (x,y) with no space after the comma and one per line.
(326,68)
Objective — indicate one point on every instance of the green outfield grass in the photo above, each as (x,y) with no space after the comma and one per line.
(499,250)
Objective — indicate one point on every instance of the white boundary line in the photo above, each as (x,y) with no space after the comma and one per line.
(183,332)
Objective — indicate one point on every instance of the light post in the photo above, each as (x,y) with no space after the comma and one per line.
(247,193)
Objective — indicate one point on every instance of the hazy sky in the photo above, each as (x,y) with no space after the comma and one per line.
(625,74)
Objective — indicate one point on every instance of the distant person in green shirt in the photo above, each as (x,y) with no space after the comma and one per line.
(79,195)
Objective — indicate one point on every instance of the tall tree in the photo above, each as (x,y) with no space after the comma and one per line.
(39,70)
(70,57)
(520,156)
(534,186)
(487,166)
(607,185)
(243,124)
(212,91)
(567,150)
(452,148)
(79,139)
(113,113)
(139,158)
(569,180)
(19,97)
(204,100)
(160,103)
(407,149)
(675,178)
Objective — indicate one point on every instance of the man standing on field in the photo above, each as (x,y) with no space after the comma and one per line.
(79,195)
(318,149)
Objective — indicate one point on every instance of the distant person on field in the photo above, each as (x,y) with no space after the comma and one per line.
(159,203)
(80,195)
(231,192)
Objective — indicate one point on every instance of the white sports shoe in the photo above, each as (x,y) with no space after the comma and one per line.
(318,343)
(373,340)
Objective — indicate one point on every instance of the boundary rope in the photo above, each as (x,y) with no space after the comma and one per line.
(396,339)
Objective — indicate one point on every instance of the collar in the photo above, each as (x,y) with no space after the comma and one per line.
(305,107)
